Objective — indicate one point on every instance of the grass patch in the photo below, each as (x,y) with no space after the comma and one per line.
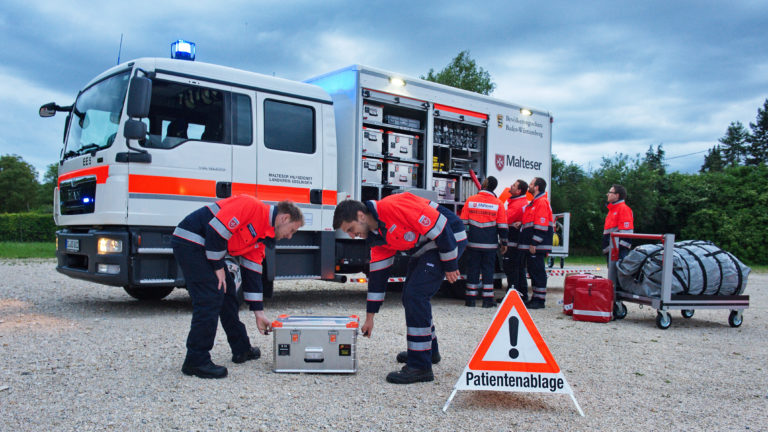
(27,250)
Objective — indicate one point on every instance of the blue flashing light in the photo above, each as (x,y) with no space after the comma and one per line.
(183,50)
(86,200)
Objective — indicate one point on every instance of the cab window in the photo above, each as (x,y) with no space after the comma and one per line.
(180,112)
(289,127)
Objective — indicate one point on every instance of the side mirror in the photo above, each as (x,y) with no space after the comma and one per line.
(48,110)
(139,94)
(135,129)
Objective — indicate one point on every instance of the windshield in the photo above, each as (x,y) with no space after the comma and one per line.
(96,116)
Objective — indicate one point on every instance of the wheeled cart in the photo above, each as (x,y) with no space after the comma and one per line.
(687,304)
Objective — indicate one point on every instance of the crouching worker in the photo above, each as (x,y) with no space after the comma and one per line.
(435,239)
(240,226)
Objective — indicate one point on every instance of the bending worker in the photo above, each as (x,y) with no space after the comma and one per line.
(514,259)
(619,220)
(239,226)
(536,238)
(435,238)
(486,222)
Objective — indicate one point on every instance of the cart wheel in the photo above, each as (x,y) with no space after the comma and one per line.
(562,262)
(663,320)
(686,313)
(735,318)
(619,310)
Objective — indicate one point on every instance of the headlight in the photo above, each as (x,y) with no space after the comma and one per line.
(108,246)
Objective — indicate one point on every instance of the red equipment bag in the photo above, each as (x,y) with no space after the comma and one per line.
(570,284)
(593,300)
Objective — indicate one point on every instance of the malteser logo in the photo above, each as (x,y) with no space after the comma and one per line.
(499,162)
(500,120)
(517,162)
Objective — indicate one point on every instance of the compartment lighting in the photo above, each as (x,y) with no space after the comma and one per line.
(525,112)
(397,81)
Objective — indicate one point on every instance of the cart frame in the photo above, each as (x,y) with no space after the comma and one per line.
(666,301)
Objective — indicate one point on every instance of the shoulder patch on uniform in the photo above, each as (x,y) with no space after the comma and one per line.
(409,236)
(233,223)
(425,220)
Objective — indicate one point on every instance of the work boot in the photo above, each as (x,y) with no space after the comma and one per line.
(206,370)
(488,303)
(402,357)
(469,302)
(252,354)
(408,375)
(535,304)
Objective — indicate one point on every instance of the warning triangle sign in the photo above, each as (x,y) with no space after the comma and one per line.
(513,357)
(513,343)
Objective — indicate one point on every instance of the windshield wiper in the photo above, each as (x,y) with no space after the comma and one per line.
(88,147)
(69,154)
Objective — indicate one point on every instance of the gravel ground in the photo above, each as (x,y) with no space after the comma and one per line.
(80,356)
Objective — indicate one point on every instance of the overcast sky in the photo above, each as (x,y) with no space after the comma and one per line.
(618,76)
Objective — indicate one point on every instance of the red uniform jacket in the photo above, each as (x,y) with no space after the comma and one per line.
(239,226)
(619,219)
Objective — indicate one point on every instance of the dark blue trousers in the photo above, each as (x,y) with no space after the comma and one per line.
(514,268)
(480,262)
(538,273)
(209,305)
(423,280)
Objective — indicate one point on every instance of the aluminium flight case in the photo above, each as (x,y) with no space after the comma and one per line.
(319,344)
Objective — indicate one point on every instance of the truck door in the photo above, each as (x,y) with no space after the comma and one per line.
(290,155)
(189,141)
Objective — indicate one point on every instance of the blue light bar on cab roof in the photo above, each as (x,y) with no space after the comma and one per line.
(183,50)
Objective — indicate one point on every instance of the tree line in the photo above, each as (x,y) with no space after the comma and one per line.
(21,190)
(726,202)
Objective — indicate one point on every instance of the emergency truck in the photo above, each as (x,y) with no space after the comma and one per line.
(149,141)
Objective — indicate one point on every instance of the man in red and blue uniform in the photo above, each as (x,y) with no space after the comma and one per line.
(536,238)
(434,237)
(486,223)
(619,220)
(241,226)
(514,259)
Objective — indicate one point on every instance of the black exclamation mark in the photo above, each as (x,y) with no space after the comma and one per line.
(513,324)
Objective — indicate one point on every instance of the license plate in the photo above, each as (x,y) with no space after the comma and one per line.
(73,245)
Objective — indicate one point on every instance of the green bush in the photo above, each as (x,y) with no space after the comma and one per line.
(27,227)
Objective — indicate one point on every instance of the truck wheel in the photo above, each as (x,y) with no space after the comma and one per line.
(148,293)
(395,286)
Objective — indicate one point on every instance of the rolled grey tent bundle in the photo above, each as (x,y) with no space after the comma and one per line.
(699,268)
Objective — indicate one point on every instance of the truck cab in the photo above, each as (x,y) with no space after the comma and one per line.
(208,132)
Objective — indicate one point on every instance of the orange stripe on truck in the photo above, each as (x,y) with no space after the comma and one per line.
(171,186)
(159,185)
(101,173)
(461,111)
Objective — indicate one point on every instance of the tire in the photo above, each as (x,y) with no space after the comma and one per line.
(663,320)
(619,310)
(687,313)
(735,319)
(395,286)
(148,293)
